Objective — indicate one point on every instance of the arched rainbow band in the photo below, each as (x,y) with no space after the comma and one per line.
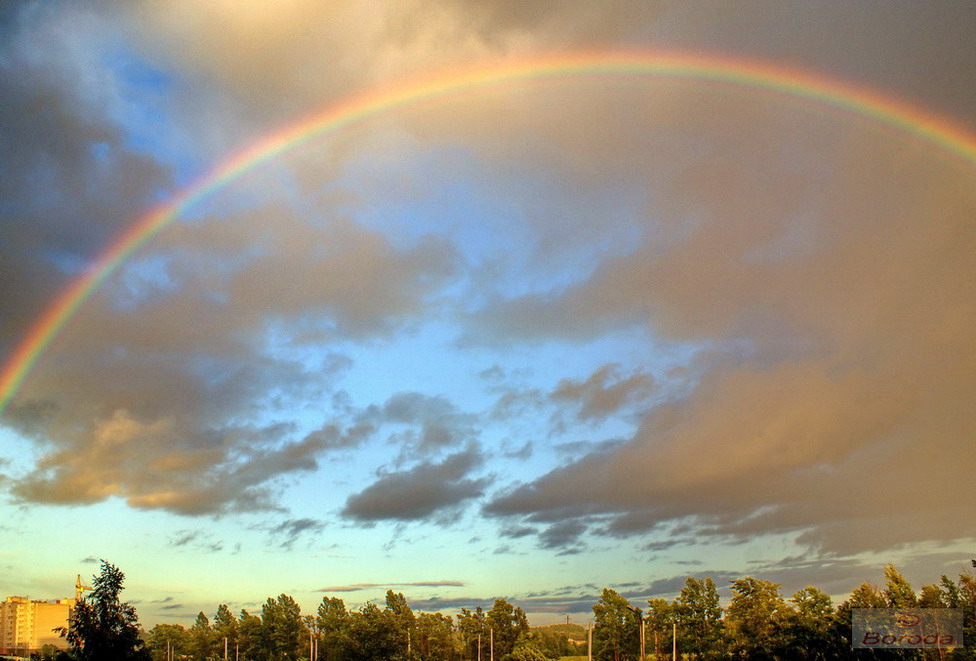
(930,127)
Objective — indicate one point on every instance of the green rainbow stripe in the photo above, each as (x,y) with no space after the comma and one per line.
(791,81)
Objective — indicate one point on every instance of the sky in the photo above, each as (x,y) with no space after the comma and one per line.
(525,338)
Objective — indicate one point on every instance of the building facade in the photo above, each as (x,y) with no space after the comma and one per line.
(26,626)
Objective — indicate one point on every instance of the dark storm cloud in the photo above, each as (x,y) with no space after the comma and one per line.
(420,492)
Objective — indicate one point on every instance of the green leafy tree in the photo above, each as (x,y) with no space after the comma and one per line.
(967,602)
(434,639)
(699,617)
(101,626)
(282,630)
(615,636)
(554,641)
(202,639)
(506,624)
(371,635)
(225,629)
(249,631)
(931,597)
(660,621)
(951,597)
(166,637)
(332,622)
(525,651)
(473,630)
(810,628)
(402,622)
(898,593)
(755,618)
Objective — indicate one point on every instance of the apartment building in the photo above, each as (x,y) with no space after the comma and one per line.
(26,626)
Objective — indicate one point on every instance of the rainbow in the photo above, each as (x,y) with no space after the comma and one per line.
(761,76)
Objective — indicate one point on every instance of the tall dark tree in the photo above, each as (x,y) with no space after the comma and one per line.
(699,618)
(434,639)
(101,626)
(202,638)
(225,629)
(506,624)
(282,629)
(332,623)
(660,619)
(372,635)
(473,630)
(165,639)
(755,618)
(898,592)
(248,635)
(402,622)
(616,628)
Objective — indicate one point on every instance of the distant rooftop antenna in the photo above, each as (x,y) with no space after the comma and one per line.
(80,588)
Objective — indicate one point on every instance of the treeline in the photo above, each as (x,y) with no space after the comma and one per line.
(758,623)
(369,633)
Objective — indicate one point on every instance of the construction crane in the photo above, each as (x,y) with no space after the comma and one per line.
(79,588)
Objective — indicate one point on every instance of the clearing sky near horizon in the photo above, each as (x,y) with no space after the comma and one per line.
(479,300)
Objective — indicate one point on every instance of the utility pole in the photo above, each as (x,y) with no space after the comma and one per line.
(640,629)
(491,646)
(225,648)
(674,641)
(589,641)
(479,647)
(643,654)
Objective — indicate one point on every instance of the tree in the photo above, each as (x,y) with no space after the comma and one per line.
(101,627)
(249,635)
(755,618)
(898,593)
(201,638)
(699,617)
(506,624)
(473,631)
(810,629)
(164,638)
(616,632)
(282,631)
(402,621)
(660,620)
(554,641)
(225,628)
(371,635)
(434,639)
(525,652)
(332,622)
